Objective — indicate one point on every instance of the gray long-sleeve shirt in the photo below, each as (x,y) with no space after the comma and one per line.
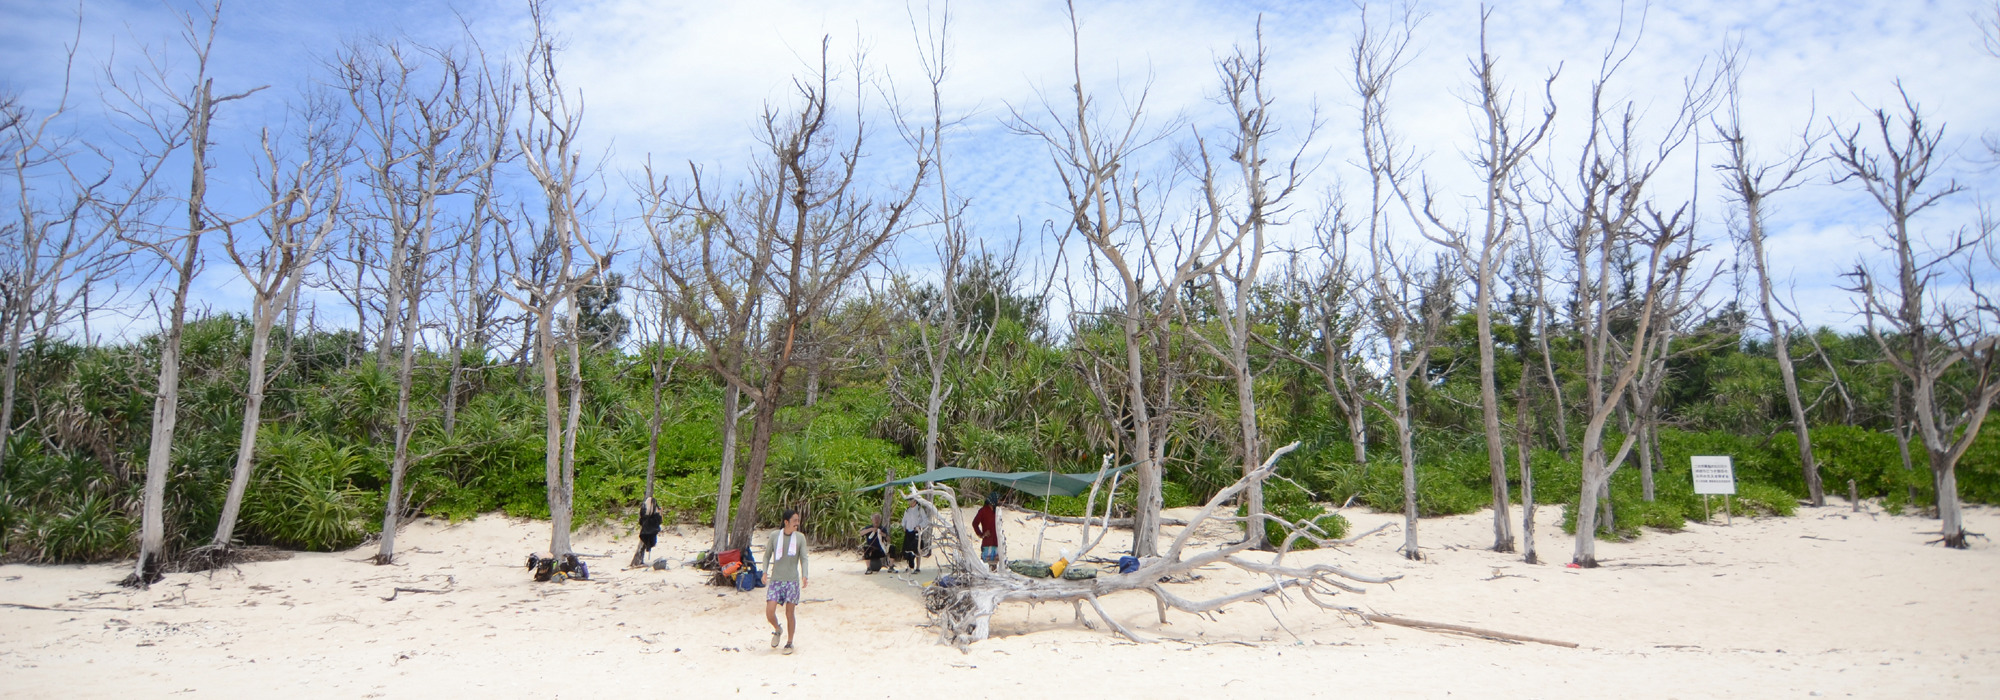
(788,556)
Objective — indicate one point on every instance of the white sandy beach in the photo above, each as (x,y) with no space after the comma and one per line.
(1829,603)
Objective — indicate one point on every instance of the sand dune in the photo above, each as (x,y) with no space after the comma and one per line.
(1830,603)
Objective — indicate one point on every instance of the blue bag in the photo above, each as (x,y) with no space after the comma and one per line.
(1128,565)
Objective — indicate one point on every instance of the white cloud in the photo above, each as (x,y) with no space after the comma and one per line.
(685,81)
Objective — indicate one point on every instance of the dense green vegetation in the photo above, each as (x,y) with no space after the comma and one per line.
(70,488)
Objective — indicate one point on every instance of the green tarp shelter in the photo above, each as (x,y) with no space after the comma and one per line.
(1043,484)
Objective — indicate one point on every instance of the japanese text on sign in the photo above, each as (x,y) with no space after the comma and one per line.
(1714,475)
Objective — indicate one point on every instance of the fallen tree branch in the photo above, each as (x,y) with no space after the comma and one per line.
(400,591)
(450,583)
(962,611)
(1422,625)
(1074,520)
(25,606)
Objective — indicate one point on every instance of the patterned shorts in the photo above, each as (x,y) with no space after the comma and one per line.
(783,592)
(989,554)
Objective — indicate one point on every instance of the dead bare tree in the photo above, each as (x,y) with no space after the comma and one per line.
(1406,303)
(1936,316)
(58,247)
(942,328)
(475,275)
(1751,183)
(1505,142)
(305,194)
(1107,203)
(425,116)
(547,142)
(1410,303)
(1241,228)
(170,120)
(1680,303)
(1324,291)
(1616,231)
(791,242)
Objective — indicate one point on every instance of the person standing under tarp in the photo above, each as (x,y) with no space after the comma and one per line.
(789,577)
(985,525)
(875,545)
(914,522)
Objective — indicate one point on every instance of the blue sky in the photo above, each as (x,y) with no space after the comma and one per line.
(683,82)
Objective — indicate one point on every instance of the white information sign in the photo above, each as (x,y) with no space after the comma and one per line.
(1714,475)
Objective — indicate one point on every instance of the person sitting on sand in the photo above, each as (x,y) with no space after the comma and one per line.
(875,545)
(649,531)
(573,568)
(914,522)
(984,525)
(788,578)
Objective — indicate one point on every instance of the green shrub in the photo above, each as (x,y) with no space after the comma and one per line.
(1764,499)
(305,496)
(91,530)
(1658,514)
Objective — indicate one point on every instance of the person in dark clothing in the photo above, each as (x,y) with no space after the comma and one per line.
(649,531)
(875,545)
(984,524)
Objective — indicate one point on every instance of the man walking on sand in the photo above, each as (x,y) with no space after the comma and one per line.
(788,577)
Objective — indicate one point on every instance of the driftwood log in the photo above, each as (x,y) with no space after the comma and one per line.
(962,611)
(1122,523)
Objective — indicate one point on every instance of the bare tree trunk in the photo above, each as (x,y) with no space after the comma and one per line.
(1407,311)
(934,404)
(1146,509)
(166,402)
(1781,348)
(1357,419)
(762,424)
(1555,383)
(392,510)
(653,426)
(1408,450)
(726,481)
(1522,449)
(253,407)
(10,378)
(1901,431)
(559,493)
(1647,432)
(573,423)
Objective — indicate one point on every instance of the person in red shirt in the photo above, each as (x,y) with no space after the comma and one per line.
(983,524)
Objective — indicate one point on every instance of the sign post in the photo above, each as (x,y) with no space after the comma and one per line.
(1715,475)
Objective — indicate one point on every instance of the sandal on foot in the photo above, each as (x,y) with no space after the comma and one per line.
(776,637)
(788,648)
